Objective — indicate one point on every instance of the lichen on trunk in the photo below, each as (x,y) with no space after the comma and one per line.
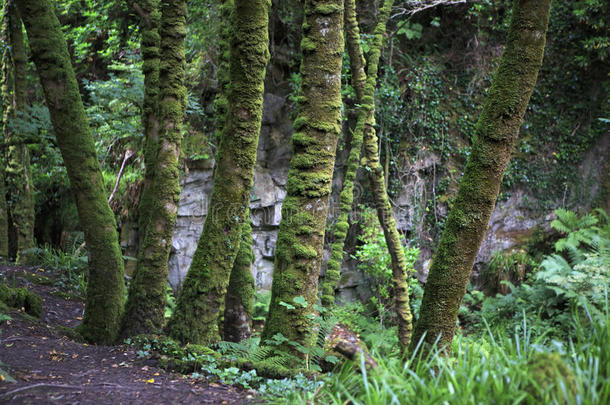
(317,129)
(145,309)
(496,134)
(202,299)
(105,289)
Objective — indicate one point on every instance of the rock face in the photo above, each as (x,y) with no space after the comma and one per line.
(265,204)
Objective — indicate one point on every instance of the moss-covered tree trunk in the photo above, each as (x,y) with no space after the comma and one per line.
(305,209)
(496,134)
(150,22)
(400,287)
(346,199)
(105,290)
(239,302)
(145,309)
(202,299)
(18,176)
(7,107)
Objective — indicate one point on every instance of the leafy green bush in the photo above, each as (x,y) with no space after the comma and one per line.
(374,260)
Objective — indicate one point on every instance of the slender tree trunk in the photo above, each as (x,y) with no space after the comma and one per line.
(239,303)
(150,22)
(7,108)
(202,299)
(145,308)
(18,176)
(105,290)
(305,209)
(400,287)
(496,134)
(346,199)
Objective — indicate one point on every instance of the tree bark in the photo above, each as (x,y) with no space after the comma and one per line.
(239,303)
(145,309)
(150,23)
(346,199)
(7,107)
(18,175)
(105,290)
(305,209)
(202,299)
(495,137)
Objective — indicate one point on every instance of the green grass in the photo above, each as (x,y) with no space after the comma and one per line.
(496,368)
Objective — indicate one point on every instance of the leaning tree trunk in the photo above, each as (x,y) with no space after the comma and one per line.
(150,22)
(305,209)
(202,299)
(400,287)
(145,309)
(105,290)
(346,199)
(239,303)
(18,175)
(496,134)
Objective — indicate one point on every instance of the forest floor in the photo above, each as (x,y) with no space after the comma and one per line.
(51,367)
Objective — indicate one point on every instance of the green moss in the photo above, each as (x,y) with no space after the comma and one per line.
(239,302)
(547,371)
(304,212)
(21,298)
(105,291)
(495,137)
(201,304)
(327,8)
(307,46)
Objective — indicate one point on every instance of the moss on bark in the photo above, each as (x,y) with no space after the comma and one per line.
(18,175)
(305,209)
(150,23)
(105,291)
(239,302)
(7,87)
(346,199)
(145,309)
(202,299)
(496,134)
(400,288)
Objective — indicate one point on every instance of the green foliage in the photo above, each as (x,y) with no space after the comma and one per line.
(578,273)
(72,265)
(494,368)
(375,261)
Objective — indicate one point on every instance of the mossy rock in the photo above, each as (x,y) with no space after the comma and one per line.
(21,298)
(547,370)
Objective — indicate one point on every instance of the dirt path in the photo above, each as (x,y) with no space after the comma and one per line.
(52,368)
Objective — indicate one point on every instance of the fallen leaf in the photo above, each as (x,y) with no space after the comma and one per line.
(151,381)
(156,374)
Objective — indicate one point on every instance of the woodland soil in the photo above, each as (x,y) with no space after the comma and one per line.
(49,366)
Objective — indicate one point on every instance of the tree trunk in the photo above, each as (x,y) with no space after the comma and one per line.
(496,134)
(105,290)
(239,303)
(7,107)
(202,299)
(346,199)
(400,288)
(150,22)
(145,308)
(305,209)
(18,176)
